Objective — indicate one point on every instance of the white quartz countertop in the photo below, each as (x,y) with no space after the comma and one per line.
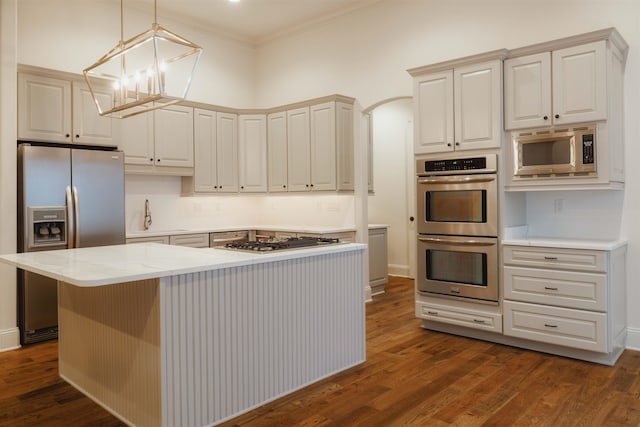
(105,265)
(556,242)
(287,228)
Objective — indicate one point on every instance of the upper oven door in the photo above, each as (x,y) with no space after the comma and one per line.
(458,205)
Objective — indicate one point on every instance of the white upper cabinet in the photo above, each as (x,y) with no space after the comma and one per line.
(227,152)
(579,83)
(252,152)
(559,87)
(478,105)
(345,154)
(205,175)
(158,142)
(173,127)
(52,109)
(299,149)
(277,151)
(216,153)
(528,91)
(459,108)
(434,112)
(323,146)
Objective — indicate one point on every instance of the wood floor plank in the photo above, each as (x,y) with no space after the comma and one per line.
(412,377)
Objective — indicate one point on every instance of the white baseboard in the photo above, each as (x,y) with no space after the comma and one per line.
(633,339)
(398,270)
(9,339)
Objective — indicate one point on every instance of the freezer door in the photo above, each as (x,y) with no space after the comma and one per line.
(98,190)
(43,175)
(38,307)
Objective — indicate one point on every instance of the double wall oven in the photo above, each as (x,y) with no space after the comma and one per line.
(457,209)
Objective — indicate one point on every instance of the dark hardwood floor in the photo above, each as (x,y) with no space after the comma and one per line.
(412,377)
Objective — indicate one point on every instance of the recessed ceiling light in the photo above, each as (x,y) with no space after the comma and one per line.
(234,1)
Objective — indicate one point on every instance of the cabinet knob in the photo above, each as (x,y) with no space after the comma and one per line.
(411,219)
(158,160)
(312,185)
(77,136)
(151,159)
(448,144)
(557,116)
(457,143)
(242,187)
(284,186)
(545,118)
(67,136)
(307,185)
(215,186)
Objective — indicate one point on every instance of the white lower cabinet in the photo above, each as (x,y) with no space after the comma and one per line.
(200,240)
(562,326)
(452,314)
(566,297)
(151,239)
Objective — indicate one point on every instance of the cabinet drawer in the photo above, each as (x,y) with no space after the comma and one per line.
(491,322)
(192,240)
(555,258)
(553,287)
(561,326)
(151,239)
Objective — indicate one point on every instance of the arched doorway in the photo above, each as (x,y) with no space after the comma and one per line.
(391,201)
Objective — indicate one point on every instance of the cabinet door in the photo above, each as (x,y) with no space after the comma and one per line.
(136,139)
(227,157)
(579,83)
(527,85)
(344,146)
(323,146)
(277,151)
(205,179)
(252,152)
(434,113)
(378,269)
(173,128)
(298,149)
(478,106)
(44,109)
(88,126)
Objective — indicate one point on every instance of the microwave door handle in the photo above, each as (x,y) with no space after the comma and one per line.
(455,242)
(455,180)
(70,217)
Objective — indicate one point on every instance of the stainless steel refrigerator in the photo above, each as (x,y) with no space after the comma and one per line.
(67,198)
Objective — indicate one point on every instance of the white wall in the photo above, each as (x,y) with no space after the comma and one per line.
(170,211)
(70,35)
(392,132)
(9,334)
(365,54)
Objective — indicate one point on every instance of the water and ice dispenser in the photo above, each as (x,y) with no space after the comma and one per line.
(47,226)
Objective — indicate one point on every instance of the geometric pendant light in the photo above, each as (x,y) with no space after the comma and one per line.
(149,71)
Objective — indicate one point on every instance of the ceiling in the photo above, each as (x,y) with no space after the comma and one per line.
(254,21)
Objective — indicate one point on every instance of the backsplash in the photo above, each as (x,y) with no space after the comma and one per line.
(171,211)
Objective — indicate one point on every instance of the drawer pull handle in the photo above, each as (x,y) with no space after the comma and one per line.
(549,288)
(435,313)
(478,321)
(546,325)
(551,258)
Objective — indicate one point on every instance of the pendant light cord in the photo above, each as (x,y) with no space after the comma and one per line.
(121,21)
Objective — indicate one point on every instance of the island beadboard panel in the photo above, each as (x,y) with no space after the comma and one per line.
(204,347)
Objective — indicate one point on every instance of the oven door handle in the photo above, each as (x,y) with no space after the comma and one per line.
(455,242)
(456,179)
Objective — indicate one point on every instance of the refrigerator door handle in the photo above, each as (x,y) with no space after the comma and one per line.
(76,218)
(70,218)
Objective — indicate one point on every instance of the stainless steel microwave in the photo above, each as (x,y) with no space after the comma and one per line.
(555,152)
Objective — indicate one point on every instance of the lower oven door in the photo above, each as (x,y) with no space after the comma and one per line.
(458,266)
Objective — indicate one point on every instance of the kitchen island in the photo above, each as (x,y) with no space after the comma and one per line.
(170,335)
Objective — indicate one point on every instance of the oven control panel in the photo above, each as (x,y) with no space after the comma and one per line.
(480,164)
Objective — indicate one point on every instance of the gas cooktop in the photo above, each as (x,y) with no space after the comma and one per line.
(280,244)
